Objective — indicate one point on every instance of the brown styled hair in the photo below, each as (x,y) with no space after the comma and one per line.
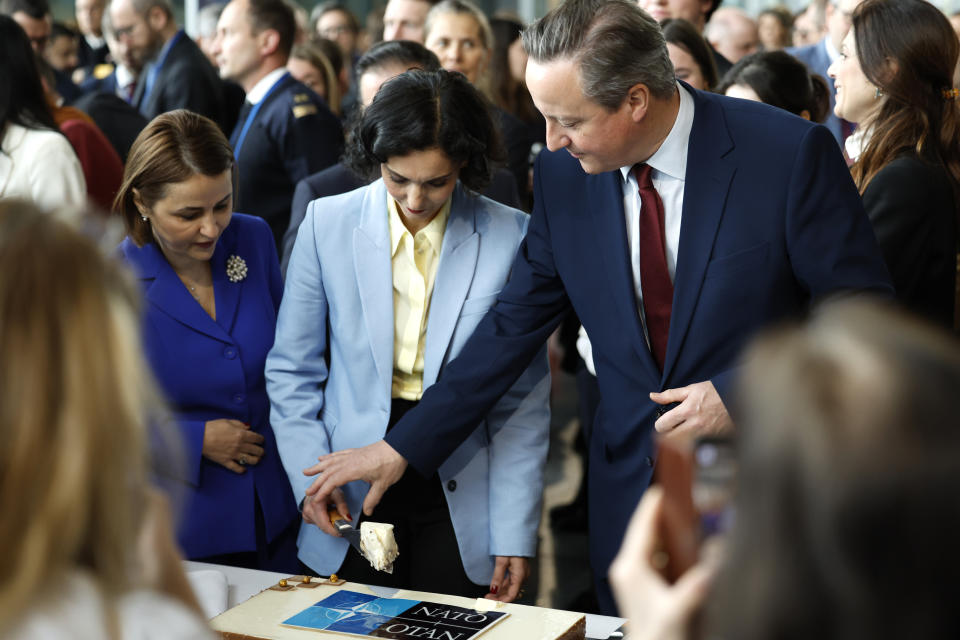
(174,147)
(908,49)
(615,43)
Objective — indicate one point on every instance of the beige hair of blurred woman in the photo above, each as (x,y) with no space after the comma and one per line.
(75,395)
(464,7)
(311,52)
(847,517)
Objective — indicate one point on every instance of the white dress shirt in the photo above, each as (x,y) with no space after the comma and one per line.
(669,174)
(264,85)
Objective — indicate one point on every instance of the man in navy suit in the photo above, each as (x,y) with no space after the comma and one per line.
(818,58)
(677,224)
(176,74)
(285,132)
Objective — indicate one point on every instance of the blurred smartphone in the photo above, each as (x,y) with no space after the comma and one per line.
(697,481)
(714,484)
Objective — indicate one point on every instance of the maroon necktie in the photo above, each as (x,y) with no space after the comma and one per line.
(654,277)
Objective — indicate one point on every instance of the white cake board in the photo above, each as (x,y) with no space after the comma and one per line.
(242,584)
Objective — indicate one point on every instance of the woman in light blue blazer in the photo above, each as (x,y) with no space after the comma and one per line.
(211,283)
(385,284)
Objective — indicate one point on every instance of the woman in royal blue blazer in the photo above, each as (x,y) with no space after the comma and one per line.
(212,286)
(384,286)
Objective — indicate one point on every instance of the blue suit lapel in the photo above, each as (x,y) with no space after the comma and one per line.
(458,263)
(226,293)
(709,174)
(371,262)
(168,294)
(605,196)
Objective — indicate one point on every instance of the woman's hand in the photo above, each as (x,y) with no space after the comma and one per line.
(232,443)
(509,574)
(655,609)
(319,513)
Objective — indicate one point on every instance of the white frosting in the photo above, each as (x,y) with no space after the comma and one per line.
(485,604)
(378,545)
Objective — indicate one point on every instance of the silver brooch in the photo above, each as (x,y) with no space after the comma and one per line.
(236,268)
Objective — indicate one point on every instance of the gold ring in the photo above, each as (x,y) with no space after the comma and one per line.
(242,460)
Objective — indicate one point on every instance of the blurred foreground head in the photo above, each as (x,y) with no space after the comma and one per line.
(847,515)
(74,400)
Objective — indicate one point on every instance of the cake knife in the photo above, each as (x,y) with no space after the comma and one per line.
(346,530)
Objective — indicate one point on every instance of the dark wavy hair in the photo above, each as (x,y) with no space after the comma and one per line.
(908,49)
(22,100)
(683,34)
(420,110)
(402,52)
(782,81)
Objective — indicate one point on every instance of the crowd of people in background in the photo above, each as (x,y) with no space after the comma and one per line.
(348,169)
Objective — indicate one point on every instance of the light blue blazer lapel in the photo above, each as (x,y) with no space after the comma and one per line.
(168,294)
(371,262)
(605,196)
(458,263)
(710,171)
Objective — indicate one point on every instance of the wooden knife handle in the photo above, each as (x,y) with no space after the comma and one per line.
(334,515)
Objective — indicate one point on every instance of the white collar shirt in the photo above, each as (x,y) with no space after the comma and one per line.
(669,165)
(264,84)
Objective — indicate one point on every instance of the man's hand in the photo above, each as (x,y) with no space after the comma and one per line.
(700,412)
(377,463)
(655,609)
(509,574)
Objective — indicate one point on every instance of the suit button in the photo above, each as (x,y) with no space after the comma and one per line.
(452,485)
(230,353)
(648,461)
(240,398)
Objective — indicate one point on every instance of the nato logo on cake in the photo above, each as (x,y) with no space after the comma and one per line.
(369,616)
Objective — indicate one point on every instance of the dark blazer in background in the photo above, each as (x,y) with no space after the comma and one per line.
(771,223)
(211,369)
(517,141)
(339,179)
(89,57)
(187,80)
(118,120)
(233,98)
(912,207)
(294,135)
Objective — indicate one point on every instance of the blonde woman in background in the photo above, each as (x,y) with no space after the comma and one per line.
(460,34)
(88,544)
(309,65)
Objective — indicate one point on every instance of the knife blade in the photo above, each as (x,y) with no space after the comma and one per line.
(346,529)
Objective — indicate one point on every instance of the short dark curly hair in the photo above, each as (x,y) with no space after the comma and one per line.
(420,110)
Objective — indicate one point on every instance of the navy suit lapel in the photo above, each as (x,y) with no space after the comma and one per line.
(709,174)
(605,195)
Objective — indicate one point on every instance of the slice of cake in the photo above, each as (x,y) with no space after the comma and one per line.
(262,617)
(378,545)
